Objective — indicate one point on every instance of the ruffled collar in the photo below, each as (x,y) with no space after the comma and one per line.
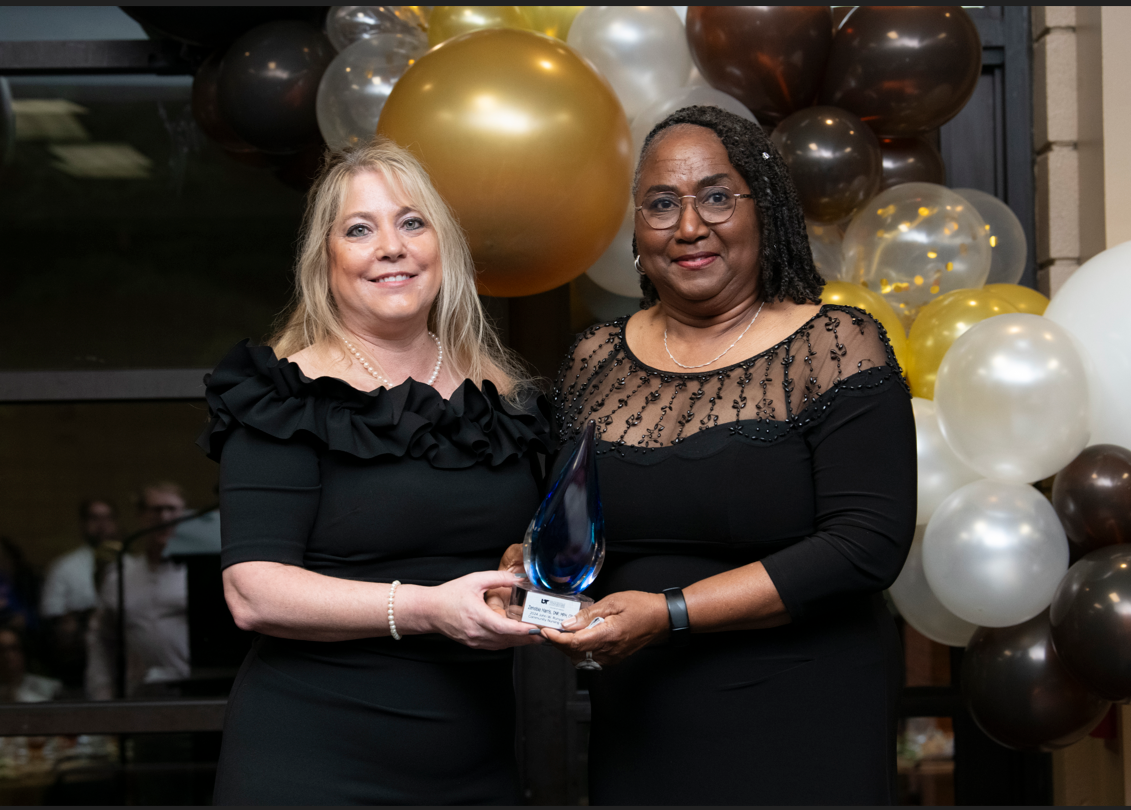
(252,387)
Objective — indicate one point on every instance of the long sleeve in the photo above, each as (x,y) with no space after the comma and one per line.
(269,496)
(864,470)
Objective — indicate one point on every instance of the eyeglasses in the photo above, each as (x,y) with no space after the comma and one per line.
(714,205)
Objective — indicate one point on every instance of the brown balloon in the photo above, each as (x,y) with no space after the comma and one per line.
(833,159)
(770,58)
(911,160)
(904,70)
(206,108)
(527,143)
(268,85)
(1091,627)
(1092,496)
(1020,693)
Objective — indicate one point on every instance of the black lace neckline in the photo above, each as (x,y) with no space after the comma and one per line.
(622,324)
(838,351)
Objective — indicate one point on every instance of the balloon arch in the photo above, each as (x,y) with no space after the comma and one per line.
(529,119)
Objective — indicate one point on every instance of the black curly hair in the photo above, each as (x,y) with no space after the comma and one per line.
(785,259)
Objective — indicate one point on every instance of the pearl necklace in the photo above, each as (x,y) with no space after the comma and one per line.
(728,348)
(384,380)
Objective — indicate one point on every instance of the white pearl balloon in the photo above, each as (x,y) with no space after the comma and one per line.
(1091,305)
(1012,398)
(693,96)
(994,553)
(919,606)
(641,50)
(941,472)
(357,83)
(615,270)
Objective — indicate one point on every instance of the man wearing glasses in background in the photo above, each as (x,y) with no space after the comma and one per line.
(156,602)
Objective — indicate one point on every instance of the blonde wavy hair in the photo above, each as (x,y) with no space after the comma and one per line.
(471,345)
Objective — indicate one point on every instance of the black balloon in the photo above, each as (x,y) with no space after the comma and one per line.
(904,70)
(268,85)
(833,159)
(1092,496)
(911,160)
(216,24)
(1091,621)
(770,58)
(206,107)
(1020,693)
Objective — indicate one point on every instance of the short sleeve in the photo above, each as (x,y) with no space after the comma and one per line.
(269,495)
(864,473)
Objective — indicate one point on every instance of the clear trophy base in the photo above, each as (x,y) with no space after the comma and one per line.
(545,609)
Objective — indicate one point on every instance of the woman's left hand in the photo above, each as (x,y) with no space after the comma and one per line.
(632,620)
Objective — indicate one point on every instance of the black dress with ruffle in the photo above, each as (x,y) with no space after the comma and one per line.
(392,484)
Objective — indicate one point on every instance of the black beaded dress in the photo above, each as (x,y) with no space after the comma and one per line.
(392,484)
(803,457)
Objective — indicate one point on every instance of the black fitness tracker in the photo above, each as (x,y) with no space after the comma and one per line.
(677,617)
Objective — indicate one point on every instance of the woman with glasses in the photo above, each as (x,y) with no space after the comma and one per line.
(376,459)
(757,463)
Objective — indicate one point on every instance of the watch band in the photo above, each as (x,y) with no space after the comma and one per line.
(677,617)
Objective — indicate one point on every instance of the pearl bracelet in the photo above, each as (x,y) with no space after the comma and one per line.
(392,622)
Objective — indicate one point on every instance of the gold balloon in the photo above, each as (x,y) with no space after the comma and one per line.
(1024,298)
(853,295)
(530,147)
(939,324)
(447,22)
(553,21)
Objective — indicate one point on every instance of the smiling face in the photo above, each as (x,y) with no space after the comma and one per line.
(384,258)
(693,263)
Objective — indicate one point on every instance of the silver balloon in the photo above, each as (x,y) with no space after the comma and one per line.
(357,83)
(919,606)
(994,553)
(693,96)
(914,242)
(1008,249)
(941,472)
(1012,398)
(345,25)
(641,50)
(615,270)
(825,242)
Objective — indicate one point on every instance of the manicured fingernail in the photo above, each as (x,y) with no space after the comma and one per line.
(520,576)
(534,631)
(570,622)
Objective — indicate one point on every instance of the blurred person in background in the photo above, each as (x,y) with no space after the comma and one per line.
(17,685)
(18,587)
(70,591)
(156,608)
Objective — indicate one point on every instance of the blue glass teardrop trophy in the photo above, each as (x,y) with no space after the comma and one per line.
(565,543)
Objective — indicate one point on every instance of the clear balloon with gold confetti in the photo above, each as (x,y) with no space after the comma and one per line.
(915,242)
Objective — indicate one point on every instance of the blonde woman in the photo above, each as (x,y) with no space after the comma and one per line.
(376,460)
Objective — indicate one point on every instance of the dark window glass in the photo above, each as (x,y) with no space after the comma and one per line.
(130,240)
